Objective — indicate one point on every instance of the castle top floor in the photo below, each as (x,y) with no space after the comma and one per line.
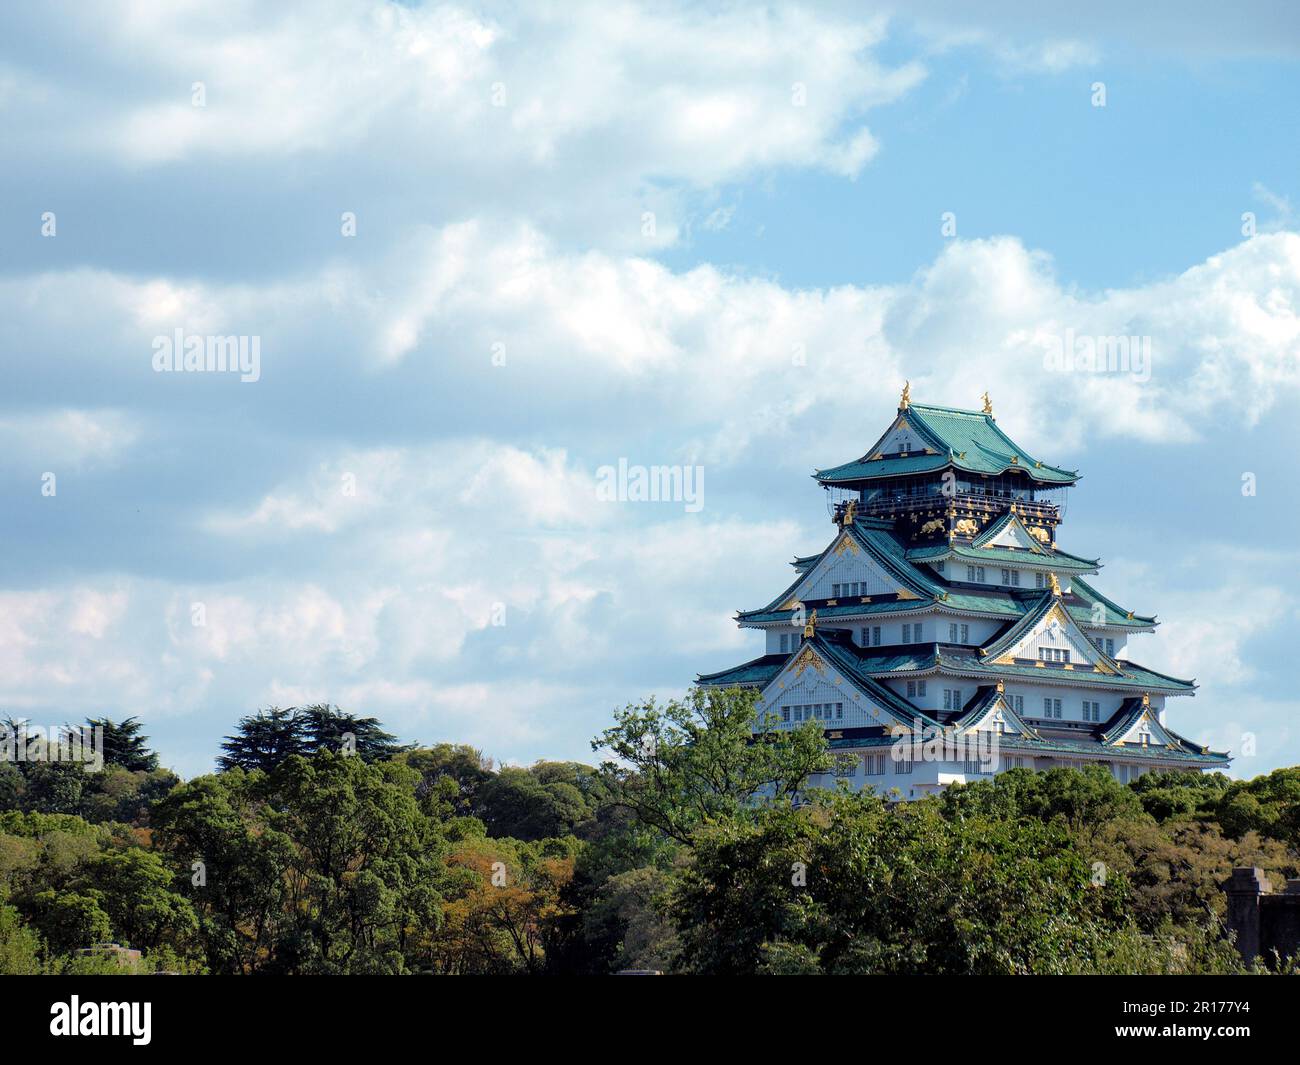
(941,466)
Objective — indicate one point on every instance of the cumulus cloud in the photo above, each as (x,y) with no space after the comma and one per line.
(589,115)
(444,572)
(400,515)
(617,341)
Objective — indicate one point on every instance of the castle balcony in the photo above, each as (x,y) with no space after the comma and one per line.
(984,508)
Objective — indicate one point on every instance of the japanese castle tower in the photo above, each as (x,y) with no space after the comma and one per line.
(943,607)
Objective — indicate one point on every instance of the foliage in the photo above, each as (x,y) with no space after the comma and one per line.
(1269,805)
(705,759)
(700,845)
(860,888)
(269,737)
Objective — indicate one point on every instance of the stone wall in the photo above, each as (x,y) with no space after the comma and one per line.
(1265,922)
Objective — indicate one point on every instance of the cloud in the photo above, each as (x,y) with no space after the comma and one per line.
(418,530)
(1052,37)
(59,438)
(587,115)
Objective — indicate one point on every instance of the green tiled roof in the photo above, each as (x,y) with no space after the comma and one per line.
(1032,746)
(953,660)
(958,660)
(965,439)
(980,704)
(865,668)
(1115,614)
(829,613)
(1021,628)
(1129,712)
(875,539)
(937,590)
(1046,559)
(843,655)
(757,672)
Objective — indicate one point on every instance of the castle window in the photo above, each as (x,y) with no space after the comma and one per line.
(907,633)
(916,689)
(875,765)
(952,698)
(1051,707)
(785,713)
(1011,577)
(835,591)
(1091,711)
(1040,581)
(839,711)
(903,767)
(864,637)
(938,567)
(1018,702)
(875,635)
(1110,648)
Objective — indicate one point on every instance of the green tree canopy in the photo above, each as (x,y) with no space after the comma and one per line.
(703,758)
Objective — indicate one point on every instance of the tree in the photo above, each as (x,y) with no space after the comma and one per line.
(1179,794)
(20,946)
(1076,797)
(70,920)
(1269,805)
(263,740)
(266,739)
(327,728)
(628,921)
(135,890)
(503,916)
(450,776)
(705,758)
(230,863)
(366,866)
(848,886)
(546,800)
(123,744)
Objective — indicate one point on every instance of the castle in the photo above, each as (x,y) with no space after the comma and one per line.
(943,635)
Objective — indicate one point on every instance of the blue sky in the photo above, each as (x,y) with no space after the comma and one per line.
(501,163)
